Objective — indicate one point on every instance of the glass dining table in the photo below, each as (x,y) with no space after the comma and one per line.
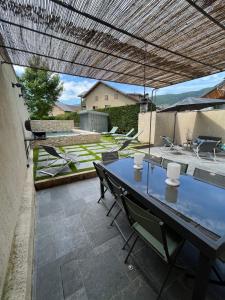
(195,209)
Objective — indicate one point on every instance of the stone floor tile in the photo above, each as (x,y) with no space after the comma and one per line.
(78,295)
(102,275)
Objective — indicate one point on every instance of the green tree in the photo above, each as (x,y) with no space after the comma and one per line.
(41,90)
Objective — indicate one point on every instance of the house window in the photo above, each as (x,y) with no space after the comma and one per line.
(106,97)
(96,98)
(94,107)
(106,106)
(115,96)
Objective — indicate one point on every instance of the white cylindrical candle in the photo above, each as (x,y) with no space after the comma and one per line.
(138,159)
(173,173)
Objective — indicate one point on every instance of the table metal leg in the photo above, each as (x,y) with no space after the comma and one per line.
(202,278)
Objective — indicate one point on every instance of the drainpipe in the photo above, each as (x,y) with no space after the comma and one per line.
(174,127)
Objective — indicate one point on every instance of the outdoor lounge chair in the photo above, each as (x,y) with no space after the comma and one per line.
(124,145)
(68,158)
(154,232)
(112,131)
(132,139)
(206,149)
(123,135)
(167,143)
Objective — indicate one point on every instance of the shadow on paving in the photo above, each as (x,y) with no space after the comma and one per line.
(78,254)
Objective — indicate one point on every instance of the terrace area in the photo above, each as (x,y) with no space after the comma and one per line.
(58,243)
(78,254)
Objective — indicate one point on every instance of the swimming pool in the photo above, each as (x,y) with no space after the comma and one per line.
(69,137)
(62,133)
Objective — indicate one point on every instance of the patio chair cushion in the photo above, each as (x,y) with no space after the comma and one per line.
(173,240)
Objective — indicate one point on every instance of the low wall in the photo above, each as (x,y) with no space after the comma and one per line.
(178,126)
(85,137)
(52,125)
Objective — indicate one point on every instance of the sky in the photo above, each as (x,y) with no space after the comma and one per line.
(73,86)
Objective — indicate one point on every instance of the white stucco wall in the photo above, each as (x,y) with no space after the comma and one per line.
(13,168)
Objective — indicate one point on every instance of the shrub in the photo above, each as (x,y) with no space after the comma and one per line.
(125,117)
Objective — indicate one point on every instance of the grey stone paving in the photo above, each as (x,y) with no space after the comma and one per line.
(78,254)
(86,157)
(83,152)
(94,147)
(85,165)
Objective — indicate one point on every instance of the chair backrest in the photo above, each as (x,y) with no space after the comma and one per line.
(152,158)
(149,222)
(210,177)
(114,129)
(183,169)
(110,156)
(208,146)
(100,172)
(27,125)
(124,145)
(166,140)
(129,132)
(114,187)
(137,135)
(51,150)
(209,138)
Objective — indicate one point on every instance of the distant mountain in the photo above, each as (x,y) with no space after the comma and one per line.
(170,99)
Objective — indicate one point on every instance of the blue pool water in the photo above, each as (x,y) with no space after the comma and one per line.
(61,133)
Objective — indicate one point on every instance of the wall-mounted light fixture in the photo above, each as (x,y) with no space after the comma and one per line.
(18,85)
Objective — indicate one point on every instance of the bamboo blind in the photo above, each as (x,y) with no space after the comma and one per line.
(174,39)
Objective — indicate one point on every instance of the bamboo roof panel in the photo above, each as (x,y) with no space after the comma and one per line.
(115,40)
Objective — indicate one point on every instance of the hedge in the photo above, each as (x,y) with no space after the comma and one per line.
(125,117)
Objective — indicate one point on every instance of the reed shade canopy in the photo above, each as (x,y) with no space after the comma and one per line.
(176,40)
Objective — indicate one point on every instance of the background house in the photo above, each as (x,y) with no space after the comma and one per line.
(61,108)
(217,92)
(102,95)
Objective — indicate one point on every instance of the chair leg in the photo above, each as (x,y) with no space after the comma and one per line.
(131,248)
(111,224)
(111,208)
(172,264)
(130,236)
(217,274)
(104,191)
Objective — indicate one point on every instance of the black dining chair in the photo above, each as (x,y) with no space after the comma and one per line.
(183,169)
(117,191)
(153,158)
(209,177)
(153,231)
(103,177)
(110,156)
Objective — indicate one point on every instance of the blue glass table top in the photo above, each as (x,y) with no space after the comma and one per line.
(198,201)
